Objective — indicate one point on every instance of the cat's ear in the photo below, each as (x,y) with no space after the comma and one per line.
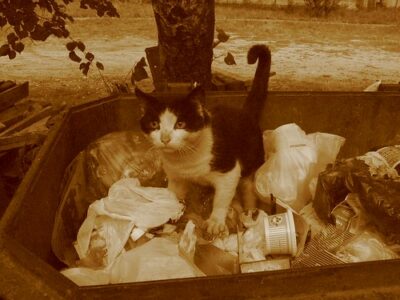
(146,98)
(197,95)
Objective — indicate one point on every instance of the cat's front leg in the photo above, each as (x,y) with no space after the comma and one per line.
(178,186)
(225,185)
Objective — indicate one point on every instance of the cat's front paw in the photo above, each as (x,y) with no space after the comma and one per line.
(216,227)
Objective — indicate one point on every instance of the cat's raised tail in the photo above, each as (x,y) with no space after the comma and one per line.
(259,90)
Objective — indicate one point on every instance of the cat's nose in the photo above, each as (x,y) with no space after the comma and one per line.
(165,138)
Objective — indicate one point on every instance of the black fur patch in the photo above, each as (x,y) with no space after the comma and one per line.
(236,132)
(189,110)
(237,136)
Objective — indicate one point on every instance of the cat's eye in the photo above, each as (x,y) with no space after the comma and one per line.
(154,124)
(180,125)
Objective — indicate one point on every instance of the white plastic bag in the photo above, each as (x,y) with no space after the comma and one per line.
(327,147)
(110,220)
(87,276)
(365,247)
(155,260)
(293,162)
(290,157)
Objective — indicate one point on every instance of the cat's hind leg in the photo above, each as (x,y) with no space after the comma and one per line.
(247,192)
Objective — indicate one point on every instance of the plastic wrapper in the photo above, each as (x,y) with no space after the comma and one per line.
(87,276)
(365,247)
(122,154)
(290,157)
(157,259)
(89,177)
(381,200)
(327,146)
(204,255)
(376,184)
(293,161)
(214,261)
(334,184)
(110,220)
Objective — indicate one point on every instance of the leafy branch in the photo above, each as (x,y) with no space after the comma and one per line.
(22,18)
(223,37)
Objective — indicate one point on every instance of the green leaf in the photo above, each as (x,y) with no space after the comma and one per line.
(4,50)
(12,38)
(71,45)
(85,70)
(19,47)
(74,57)
(89,56)
(81,46)
(229,59)
(40,33)
(222,36)
(99,66)
(12,54)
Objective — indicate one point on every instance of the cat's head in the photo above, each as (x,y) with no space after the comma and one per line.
(175,125)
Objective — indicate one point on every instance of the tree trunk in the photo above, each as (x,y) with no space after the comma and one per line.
(185,39)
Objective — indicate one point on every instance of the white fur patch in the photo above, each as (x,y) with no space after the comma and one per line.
(167,137)
(193,161)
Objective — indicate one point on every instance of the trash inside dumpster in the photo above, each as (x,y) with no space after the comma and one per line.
(318,210)
(80,162)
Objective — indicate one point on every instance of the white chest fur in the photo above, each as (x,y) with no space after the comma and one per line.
(192,165)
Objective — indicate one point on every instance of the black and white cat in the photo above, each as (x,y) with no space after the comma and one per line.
(221,147)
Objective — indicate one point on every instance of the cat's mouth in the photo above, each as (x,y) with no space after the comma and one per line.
(167,148)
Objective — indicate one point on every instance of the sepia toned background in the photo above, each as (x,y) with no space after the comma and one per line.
(347,50)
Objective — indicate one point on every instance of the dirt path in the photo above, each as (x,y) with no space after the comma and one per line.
(301,61)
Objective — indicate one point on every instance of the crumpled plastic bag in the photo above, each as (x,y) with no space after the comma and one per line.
(376,185)
(89,177)
(203,255)
(87,276)
(327,146)
(380,198)
(334,184)
(110,220)
(365,247)
(293,159)
(122,154)
(157,259)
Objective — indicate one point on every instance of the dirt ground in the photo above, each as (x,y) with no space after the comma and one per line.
(306,55)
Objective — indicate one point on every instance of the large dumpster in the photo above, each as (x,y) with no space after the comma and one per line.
(30,270)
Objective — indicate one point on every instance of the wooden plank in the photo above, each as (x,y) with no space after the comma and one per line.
(14,114)
(28,121)
(5,85)
(18,141)
(9,97)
